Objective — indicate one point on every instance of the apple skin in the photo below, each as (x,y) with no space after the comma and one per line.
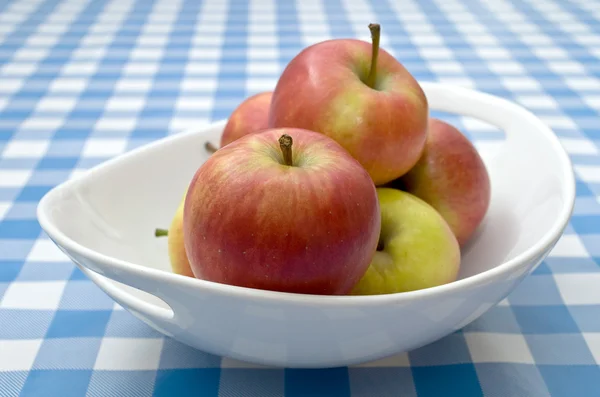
(452,177)
(176,248)
(418,248)
(252,221)
(322,90)
(251,115)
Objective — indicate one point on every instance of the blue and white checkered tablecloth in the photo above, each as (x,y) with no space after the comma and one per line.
(82,81)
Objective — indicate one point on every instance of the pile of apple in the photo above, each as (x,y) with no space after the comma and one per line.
(338,182)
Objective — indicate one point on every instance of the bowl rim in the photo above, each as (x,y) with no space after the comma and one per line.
(507,267)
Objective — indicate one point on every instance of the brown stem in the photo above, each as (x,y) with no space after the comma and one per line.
(210,147)
(375,34)
(285,143)
(161,232)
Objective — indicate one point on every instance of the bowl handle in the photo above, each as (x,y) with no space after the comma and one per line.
(151,281)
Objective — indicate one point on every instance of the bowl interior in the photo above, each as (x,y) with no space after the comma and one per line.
(115,208)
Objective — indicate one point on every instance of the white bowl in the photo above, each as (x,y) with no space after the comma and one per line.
(110,237)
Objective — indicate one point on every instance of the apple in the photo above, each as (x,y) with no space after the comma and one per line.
(251,115)
(177,255)
(452,177)
(416,248)
(360,96)
(284,210)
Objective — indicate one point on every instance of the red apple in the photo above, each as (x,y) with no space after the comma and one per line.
(264,213)
(451,177)
(250,116)
(360,96)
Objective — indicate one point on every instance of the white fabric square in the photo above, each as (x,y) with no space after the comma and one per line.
(19,69)
(123,104)
(202,85)
(569,246)
(14,178)
(588,173)
(44,250)
(42,123)
(40,295)
(140,68)
(146,53)
(262,53)
(566,67)
(130,85)
(583,83)
(494,347)
(537,101)
(520,83)
(435,53)
(18,355)
(183,123)
(4,207)
(202,68)
(508,67)
(9,86)
(492,53)
(56,104)
(123,354)
(445,67)
(579,146)
(579,288)
(116,123)
(592,101)
(79,68)
(68,84)
(550,52)
(31,54)
(104,147)
(261,84)
(26,149)
(260,68)
(593,342)
(559,121)
(190,103)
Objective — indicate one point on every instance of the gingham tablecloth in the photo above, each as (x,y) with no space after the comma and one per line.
(82,81)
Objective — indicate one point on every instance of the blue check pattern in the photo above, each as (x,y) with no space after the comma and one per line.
(82,81)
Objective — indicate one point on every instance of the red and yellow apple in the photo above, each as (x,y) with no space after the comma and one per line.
(451,176)
(360,96)
(250,116)
(416,248)
(286,210)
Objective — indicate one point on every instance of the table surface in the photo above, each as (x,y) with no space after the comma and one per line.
(83,81)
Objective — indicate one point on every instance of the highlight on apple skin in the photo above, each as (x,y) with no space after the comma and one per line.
(360,96)
(416,248)
(451,176)
(285,209)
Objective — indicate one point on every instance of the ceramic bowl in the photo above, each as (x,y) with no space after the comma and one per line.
(104,221)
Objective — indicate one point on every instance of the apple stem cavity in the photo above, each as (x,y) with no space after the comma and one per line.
(161,232)
(285,143)
(375,34)
(210,147)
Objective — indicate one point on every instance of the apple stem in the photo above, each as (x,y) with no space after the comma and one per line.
(375,34)
(161,232)
(285,143)
(210,147)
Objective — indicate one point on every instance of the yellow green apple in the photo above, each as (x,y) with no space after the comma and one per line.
(416,247)
(176,248)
